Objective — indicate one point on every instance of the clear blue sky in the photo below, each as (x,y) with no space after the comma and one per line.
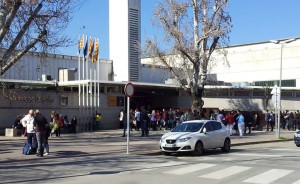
(253,21)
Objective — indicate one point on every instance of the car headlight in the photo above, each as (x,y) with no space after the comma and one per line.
(185,139)
(297,135)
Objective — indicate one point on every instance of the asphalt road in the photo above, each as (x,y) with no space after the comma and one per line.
(260,163)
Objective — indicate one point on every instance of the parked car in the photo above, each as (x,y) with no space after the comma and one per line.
(196,136)
(297,138)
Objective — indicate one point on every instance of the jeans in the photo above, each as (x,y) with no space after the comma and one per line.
(145,128)
(31,138)
(40,136)
(46,145)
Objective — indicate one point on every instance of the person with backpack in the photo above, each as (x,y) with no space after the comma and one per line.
(27,122)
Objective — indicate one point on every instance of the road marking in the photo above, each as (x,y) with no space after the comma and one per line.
(282,149)
(189,169)
(254,154)
(297,182)
(158,165)
(225,172)
(268,176)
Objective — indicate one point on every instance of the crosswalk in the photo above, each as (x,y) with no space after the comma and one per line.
(254,175)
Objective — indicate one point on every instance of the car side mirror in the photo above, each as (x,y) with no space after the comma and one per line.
(204,130)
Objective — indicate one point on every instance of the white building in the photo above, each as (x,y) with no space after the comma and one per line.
(124,37)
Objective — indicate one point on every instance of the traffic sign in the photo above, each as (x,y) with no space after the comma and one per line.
(129,90)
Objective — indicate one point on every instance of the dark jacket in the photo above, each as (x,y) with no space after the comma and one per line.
(40,123)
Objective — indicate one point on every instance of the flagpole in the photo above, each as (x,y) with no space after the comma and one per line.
(79,91)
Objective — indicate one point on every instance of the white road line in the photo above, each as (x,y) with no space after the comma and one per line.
(254,154)
(225,172)
(297,182)
(167,164)
(189,169)
(268,176)
(283,149)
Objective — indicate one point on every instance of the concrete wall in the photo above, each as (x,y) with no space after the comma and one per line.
(246,63)
(32,67)
(15,102)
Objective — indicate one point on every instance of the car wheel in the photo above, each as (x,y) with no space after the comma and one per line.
(298,145)
(166,153)
(226,146)
(198,150)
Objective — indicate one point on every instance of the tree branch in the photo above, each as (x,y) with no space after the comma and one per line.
(23,30)
(22,52)
(10,17)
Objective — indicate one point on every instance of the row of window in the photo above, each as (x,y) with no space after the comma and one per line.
(246,93)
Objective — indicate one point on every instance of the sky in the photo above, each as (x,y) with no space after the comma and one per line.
(253,21)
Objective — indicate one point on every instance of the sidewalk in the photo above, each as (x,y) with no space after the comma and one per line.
(111,142)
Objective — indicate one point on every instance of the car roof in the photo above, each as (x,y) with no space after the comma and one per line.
(197,121)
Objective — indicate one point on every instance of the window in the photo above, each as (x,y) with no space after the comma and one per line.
(216,125)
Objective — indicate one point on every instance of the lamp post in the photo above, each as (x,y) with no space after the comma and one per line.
(282,43)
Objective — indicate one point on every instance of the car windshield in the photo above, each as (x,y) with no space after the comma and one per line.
(188,127)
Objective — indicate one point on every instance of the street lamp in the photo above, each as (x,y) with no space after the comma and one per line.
(280,78)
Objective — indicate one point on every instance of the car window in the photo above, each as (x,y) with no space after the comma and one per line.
(208,127)
(188,127)
(216,125)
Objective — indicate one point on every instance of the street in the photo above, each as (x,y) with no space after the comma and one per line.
(92,162)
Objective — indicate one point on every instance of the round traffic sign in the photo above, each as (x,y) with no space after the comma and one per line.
(129,90)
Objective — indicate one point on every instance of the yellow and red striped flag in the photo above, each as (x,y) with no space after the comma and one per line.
(91,48)
(95,56)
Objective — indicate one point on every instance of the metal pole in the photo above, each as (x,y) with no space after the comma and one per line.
(279,98)
(128,102)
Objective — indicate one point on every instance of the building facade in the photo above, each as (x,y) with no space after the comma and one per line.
(124,38)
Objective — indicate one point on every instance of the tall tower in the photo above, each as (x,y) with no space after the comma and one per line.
(124,37)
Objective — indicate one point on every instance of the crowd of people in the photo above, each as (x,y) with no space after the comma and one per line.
(38,129)
(238,122)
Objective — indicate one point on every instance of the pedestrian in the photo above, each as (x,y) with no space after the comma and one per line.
(121,118)
(27,122)
(267,119)
(18,124)
(137,119)
(145,122)
(153,120)
(67,124)
(60,125)
(241,123)
(272,120)
(97,120)
(40,129)
(74,124)
(230,120)
(220,116)
(47,135)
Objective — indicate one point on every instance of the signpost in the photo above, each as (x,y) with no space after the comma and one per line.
(129,92)
(276,101)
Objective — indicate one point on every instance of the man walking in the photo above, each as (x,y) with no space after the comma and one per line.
(40,129)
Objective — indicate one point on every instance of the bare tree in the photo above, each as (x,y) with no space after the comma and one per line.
(193,30)
(32,25)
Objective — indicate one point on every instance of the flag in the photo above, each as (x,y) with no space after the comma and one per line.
(95,56)
(85,48)
(91,48)
(80,43)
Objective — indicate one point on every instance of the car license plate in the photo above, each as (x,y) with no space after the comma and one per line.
(170,145)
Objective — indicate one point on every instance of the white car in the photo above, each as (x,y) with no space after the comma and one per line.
(195,136)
